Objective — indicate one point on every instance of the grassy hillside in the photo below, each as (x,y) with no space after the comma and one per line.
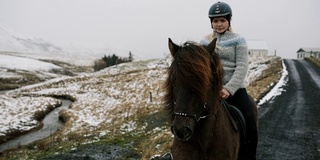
(316,61)
(119,106)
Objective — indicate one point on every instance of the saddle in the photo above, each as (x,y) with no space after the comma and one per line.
(235,114)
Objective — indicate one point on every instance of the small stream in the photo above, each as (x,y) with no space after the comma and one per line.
(51,124)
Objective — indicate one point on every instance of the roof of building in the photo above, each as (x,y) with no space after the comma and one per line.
(308,50)
(257,45)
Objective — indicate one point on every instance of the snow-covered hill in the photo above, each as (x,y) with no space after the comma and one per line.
(12,66)
(17,71)
(15,43)
(102,98)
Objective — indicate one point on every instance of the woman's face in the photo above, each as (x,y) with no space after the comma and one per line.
(220,24)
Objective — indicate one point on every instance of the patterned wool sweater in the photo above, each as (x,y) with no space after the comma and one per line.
(232,49)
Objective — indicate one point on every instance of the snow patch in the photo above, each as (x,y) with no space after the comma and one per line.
(27,64)
(278,88)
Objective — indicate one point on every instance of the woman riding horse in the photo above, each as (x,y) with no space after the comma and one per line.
(232,50)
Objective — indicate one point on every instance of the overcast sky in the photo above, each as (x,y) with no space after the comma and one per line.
(143,26)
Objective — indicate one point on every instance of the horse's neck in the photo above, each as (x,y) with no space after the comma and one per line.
(214,101)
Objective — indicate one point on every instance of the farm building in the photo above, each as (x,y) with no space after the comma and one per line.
(257,48)
(308,52)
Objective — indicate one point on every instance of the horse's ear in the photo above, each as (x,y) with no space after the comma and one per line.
(211,46)
(173,47)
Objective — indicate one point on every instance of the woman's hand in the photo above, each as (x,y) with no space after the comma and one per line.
(224,93)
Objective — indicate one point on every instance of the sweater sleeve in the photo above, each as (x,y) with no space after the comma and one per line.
(240,72)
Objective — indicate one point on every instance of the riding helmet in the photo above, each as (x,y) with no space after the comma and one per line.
(220,9)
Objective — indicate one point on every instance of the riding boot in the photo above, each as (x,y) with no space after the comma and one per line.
(251,144)
(251,135)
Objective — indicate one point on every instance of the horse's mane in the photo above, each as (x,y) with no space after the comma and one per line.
(194,68)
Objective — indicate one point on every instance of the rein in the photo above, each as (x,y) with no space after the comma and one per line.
(196,117)
(225,105)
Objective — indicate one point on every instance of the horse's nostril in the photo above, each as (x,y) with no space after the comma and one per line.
(183,134)
(188,133)
(172,130)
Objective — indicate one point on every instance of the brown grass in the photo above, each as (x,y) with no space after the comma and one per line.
(266,80)
(313,60)
(149,139)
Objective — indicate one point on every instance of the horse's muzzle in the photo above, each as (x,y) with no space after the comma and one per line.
(183,133)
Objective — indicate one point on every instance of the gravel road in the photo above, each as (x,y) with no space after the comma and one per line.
(289,125)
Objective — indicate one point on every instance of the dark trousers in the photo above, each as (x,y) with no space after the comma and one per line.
(242,101)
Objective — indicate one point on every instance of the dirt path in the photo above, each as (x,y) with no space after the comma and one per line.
(289,125)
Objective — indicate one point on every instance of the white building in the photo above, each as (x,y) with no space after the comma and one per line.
(257,48)
(308,52)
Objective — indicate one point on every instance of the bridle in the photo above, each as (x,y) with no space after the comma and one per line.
(196,117)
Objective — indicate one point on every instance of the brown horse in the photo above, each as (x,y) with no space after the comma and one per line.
(200,125)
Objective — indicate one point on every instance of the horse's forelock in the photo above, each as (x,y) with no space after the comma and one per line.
(192,68)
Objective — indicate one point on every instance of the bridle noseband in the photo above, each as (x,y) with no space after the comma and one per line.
(196,117)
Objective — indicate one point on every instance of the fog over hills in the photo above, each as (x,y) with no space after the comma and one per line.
(28,46)
(15,42)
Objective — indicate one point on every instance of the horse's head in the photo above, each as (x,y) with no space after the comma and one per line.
(189,87)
